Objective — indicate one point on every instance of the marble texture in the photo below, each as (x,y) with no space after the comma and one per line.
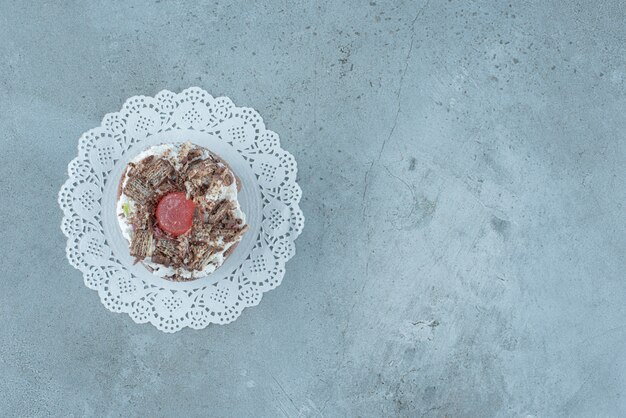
(464,175)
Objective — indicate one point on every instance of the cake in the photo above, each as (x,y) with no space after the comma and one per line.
(178,209)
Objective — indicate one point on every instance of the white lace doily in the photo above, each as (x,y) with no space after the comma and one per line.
(269,198)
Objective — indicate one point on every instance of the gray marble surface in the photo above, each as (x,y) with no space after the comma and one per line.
(464,175)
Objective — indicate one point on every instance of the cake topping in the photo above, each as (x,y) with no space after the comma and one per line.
(137,189)
(157,171)
(141,245)
(174,213)
(181,207)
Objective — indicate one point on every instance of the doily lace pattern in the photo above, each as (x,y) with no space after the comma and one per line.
(95,247)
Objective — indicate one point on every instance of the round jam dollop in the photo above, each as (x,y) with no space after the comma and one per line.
(174,213)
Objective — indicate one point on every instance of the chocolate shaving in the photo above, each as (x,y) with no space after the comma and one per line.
(183,151)
(202,256)
(205,205)
(161,259)
(167,248)
(167,253)
(141,244)
(157,171)
(142,220)
(178,277)
(183,248)
(227,178)
(167,187)
(199,171)
(232,234)
(194,154)
(201,233)
(137,189)
(188,153)
(220,211)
